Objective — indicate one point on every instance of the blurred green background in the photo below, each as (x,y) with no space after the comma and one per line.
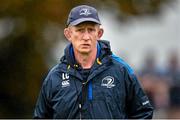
(26,44)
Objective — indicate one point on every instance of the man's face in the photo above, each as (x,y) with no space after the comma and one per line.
(84,37)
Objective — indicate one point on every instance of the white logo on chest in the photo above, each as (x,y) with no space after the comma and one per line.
(108,82)
(65,78)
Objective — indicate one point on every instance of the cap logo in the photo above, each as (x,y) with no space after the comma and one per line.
(85,12)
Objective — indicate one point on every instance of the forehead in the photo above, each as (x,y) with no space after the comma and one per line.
(85,24)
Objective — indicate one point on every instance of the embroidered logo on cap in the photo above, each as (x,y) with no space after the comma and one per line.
(85,12)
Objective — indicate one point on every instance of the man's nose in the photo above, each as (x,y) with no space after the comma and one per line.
(86,35)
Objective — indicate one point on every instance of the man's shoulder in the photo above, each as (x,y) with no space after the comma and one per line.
(122,64)
(55,70)
(53,76)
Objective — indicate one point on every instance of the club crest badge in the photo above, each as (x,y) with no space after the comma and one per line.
(108,82)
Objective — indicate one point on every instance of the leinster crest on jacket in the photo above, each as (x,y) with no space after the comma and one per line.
(108,82)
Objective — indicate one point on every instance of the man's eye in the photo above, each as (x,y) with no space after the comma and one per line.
(80,30)
(91,30)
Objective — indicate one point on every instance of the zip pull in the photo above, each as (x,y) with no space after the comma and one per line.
(80,110)
(84,83)
(79,105)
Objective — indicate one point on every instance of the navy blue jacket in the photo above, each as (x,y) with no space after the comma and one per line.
(111,90)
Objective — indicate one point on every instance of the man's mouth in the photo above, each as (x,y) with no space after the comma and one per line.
(86,45)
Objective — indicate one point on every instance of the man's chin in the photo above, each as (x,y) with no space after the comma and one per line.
(85,52)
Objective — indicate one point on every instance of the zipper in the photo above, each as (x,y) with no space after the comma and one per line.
(84,93)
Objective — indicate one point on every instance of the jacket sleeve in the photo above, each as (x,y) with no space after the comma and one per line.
(43,108)
(138,105)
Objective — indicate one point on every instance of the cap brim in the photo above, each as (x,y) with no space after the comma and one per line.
(78,21)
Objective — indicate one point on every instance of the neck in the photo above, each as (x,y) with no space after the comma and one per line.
(86,60)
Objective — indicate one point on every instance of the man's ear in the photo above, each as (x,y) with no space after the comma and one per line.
(100,33)
(67,33)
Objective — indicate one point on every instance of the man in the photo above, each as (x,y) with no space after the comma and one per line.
(90,82)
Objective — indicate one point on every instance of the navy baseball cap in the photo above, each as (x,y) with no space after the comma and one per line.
(81,14)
